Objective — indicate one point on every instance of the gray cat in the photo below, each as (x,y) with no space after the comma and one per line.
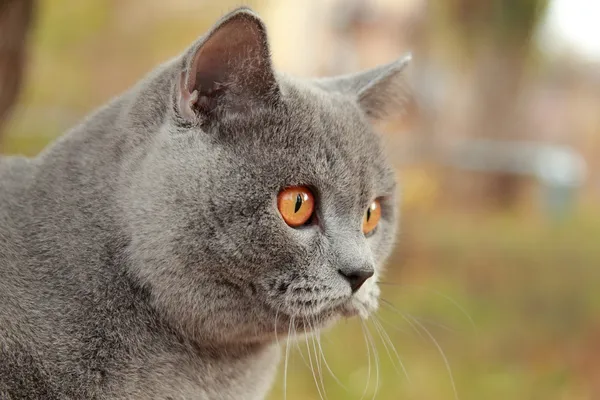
(153,251)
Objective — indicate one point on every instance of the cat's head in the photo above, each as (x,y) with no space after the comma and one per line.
(261,202)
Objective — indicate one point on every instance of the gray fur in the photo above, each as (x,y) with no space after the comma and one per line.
(142,255)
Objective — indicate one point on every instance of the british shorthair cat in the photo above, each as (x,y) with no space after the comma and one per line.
(159,248)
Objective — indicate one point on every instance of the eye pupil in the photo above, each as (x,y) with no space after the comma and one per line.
(298,203)
(371,217)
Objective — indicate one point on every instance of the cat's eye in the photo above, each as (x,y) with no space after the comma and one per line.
(371,217)
(296,205)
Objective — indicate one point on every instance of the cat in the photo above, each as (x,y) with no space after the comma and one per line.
(160,248)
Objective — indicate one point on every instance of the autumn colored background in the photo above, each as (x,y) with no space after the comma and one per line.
(495,279)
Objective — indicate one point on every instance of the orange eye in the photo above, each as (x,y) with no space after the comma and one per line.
(371,218)
(296,205)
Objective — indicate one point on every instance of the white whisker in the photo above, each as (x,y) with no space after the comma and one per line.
(376,355)
(434,323)
(386,338)
(415,321)
(301,354)
(409,322)
(327,364)
(437,345)
(276,335)
(368,344)
(461,308)
(385,321)
(312,369)
(317,359)
(442,295)
(287,356)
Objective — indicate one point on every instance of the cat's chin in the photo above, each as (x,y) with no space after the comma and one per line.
(350,311)
(357,309)
(302,324)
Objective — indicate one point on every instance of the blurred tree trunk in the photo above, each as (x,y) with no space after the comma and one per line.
(15,20)
(498,37)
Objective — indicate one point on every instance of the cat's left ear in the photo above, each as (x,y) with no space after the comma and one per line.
(228,70)
(380,91)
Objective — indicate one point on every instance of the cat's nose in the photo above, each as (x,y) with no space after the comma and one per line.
(356,277)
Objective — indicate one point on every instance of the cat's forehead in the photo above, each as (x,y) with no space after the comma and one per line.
(333,123)
(321,117)
(316,137)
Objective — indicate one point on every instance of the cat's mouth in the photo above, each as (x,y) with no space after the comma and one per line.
(295,314)
(308,322)
(294,325)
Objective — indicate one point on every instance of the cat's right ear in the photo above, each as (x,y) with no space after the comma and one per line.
(379,91)
(228,70)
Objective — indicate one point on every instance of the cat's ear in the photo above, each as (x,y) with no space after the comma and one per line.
(229,70)
(380,91)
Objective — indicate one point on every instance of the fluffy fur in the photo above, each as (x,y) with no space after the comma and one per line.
(142,255)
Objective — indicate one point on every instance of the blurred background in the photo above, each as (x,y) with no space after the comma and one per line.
(493,290)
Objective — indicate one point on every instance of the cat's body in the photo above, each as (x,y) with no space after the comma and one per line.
(72,324)
(140,257)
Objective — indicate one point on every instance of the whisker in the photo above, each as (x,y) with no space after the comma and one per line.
(276,335)
(385,337)
(302,354)
(385,321)
(437,345)
(312,369)
(287,356)
(317,358)
(368,344)
(299,349)
(440,294)
(386,347)
(327,364)
(435,323)
(376,356)
(397,311)
(412,321)
(328,339)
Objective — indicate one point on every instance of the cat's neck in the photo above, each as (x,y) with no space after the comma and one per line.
(85,167)
(247,375)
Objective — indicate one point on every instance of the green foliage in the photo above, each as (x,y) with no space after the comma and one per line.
(501,22)
(515,20)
